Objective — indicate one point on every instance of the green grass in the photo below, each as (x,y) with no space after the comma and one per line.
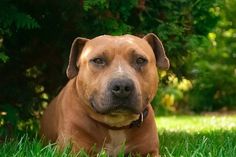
(197,136)
(186,136)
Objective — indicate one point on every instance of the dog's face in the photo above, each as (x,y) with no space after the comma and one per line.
(118,74)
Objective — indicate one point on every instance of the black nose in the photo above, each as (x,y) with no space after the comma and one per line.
(122,88)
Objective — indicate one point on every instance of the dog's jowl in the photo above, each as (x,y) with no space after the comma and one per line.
(106,103)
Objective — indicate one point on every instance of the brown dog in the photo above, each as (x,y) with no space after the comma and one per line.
(106,103)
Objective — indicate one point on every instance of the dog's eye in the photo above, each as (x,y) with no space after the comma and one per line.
(141,61)
(98,61)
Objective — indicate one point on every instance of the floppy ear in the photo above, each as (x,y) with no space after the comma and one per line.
(75,51)
(158,49)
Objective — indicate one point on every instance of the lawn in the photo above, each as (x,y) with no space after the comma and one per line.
(197,136)
(187,136)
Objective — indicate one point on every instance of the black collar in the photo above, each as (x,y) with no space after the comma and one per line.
(142,116)
(134,124)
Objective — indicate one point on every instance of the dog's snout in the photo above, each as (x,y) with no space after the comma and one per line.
(122,88)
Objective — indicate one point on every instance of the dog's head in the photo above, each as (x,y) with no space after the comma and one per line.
(118,74)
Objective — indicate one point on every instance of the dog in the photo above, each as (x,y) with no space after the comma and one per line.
(106,102)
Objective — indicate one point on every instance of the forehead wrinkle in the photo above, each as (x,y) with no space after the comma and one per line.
(125,41)
(130,40)
(127,44)
(91,49)
(86,52)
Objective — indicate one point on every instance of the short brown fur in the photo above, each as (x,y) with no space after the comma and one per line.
(70,116)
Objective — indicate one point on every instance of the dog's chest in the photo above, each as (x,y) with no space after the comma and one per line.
(116,141)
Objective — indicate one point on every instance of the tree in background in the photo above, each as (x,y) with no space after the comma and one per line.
(35,38)
(214,68)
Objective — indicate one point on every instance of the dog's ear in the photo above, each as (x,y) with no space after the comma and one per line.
(158,49)
(75,51)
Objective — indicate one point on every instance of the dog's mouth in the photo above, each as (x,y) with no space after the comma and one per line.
(113,110)
(114,117)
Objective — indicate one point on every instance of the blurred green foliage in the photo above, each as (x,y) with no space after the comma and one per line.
(214,69)
(35,38)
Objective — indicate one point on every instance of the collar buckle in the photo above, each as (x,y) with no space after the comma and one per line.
(139,122)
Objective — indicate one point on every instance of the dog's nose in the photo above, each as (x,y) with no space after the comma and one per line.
(122,88)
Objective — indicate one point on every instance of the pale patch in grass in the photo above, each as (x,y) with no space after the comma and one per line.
(193,124)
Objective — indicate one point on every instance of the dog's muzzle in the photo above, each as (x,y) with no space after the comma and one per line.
(120,96)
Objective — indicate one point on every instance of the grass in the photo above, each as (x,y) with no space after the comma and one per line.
(180,136)
(197,136)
